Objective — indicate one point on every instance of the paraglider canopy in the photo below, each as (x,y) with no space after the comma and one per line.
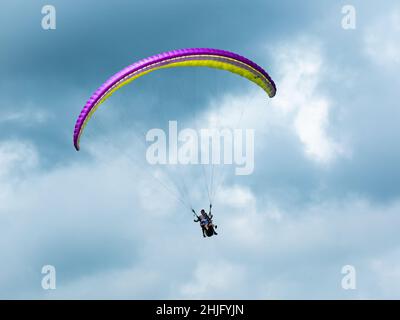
(196,57)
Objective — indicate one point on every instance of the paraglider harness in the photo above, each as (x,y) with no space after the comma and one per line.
(206,223)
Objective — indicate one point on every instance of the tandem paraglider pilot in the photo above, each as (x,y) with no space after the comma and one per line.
(206,224)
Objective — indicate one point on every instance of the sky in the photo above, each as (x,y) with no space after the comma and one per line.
(324,193)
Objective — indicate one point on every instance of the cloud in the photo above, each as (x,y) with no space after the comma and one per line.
(26,117)
(215,279)
(300,105)
(16,157)
(68,216)
(237,196)
(381,40)
(92,221)
(120,283)
(302,69)
(387,271)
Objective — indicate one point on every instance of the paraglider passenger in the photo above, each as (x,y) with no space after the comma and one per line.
(205,222)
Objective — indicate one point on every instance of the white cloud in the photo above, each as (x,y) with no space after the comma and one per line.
(17,159)
(236,197)
(128,283)
(92,221)
(301,68)
(28,116)
(215,279)
(16,155)
(381,40)
(386,269)
(299,106)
